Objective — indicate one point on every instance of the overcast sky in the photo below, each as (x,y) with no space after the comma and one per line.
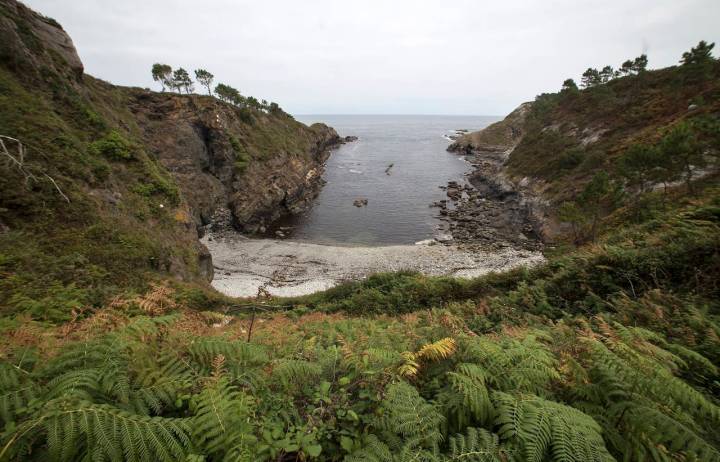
(381,56)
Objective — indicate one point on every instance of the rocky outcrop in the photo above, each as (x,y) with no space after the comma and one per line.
(31,42)
(491,210)
(259,167)
(498,137)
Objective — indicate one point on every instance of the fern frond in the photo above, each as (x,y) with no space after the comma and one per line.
(88,431)
(436,351)
(408,415)
(157,301)
(543,427)
(144,328)
(16,391)
(296,373)
(662,430)
(524,365)
(467,397)
(97,370)
(430,352)
(221,425)
(476,445)
(410,366)
(239,355)
(373,450)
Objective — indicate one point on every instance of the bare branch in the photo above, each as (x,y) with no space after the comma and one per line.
(58,188)
(19,163)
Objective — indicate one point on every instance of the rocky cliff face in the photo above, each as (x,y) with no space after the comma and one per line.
(498,212)
(258,167)
(32,41)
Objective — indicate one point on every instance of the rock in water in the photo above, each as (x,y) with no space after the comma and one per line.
(361,202)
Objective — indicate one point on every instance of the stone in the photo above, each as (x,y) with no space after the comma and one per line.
(444,238)
(360,202)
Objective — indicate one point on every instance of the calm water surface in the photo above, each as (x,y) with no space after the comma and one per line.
(398,209)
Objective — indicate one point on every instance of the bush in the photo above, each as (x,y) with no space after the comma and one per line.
(113,146)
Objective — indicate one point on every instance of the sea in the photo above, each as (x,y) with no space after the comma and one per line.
(398,164)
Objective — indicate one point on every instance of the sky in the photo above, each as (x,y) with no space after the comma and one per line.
(476,57)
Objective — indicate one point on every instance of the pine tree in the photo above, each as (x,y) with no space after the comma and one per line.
(683,152)
(181,81)
(590,78)
(205,79)
(162,73)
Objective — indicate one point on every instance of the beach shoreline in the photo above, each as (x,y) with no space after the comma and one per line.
(289,268)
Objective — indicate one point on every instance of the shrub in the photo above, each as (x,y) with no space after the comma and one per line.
(113,146)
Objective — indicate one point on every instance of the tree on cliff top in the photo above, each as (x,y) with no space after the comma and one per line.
(569,86)
(639,64)
(181,81)
(227,93)
(205,78)
(698,61)
(701,54)
(590,78)
(162,73)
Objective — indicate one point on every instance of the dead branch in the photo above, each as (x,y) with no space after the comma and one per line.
(19,163)
(58,188)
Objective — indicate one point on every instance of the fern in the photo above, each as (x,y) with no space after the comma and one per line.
(476,445)
(221,425)
(242,358)
(16,391)
(514,365)
(373,450)
(87,431)
(91,370)
(157,301)
(466,398)
(430,352)
(407,416)
(543,428)
(436,351)
(144,328)
(295,373)
(644,409)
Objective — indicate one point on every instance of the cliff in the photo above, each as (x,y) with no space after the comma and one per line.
(548,150)
(103,188)
(257,166)
(498,137)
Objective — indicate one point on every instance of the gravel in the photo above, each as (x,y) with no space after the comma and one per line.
(291,268)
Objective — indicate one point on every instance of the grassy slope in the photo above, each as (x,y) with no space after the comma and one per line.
(558,148)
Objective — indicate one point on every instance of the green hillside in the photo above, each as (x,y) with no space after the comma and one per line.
(114,347)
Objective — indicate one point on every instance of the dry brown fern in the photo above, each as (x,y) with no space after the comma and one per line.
(157,301)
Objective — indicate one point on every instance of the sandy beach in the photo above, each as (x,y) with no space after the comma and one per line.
(291,268)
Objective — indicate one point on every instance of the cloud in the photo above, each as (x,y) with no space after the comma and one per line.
(373,56)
